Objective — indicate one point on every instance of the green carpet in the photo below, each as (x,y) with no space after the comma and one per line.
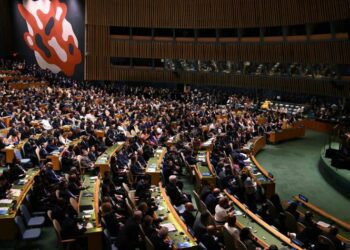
(295,167)
(47,240)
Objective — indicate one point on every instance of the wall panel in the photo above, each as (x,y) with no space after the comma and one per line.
(317,87)
(316,52)
(214,13)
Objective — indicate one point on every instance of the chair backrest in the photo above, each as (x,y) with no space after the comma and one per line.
(201,246)
(73,202)
(300,227)
(20,224)
(18,154)
(107,238)
(57,193)
(271,209)
(129,207)
(126,187)
(49,214)
(143,235)
(240,245)
(57,227)
(130,177)
(291,222)
(28,198)
(199,205)
(131,198)
(25,213)
(229,240)
(326,242)
(149,244)
(103,222)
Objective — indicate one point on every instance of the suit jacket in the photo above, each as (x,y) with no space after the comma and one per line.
(210,242)
(211,201)
(189,218)
(175,195)
(129,235)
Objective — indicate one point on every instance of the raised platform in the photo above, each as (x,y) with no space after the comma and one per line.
(338,178)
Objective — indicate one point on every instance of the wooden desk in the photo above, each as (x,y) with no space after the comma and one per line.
(286,134)
(8,227)
(10,150)
(154,165)
(6,120)
(258,173)
(254,146)
(319,126)
(4,131)
(258,143)
(204,170)
(266,235)
(100,133)
(55,156)
(320,215)
(103,160)
(181,234)
(89,200)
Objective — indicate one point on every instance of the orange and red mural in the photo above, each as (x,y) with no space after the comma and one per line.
(50,35)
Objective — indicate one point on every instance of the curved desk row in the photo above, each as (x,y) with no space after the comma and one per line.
(103,161)
(180,235)
(204,170)
(89,208)
(10,208)
(285,134)
(55,156)
(265,234)
(257,172)
(154,165)
(322,218)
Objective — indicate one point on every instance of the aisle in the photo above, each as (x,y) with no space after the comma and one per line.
(295,163)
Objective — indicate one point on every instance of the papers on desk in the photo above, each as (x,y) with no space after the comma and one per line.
(93,178)
(55,152)
(206,174)
(88,194)
(183,245)
(4,210)
(5,201)
(152,167)
(323,224)
(88,225)
(201,157)
(237,212)
(91,211)
(15,192)
(159,151)
(180,208)
(169,226)
(21,182)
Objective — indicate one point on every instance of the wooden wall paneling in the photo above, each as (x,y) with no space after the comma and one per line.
(315,52)
(213,13)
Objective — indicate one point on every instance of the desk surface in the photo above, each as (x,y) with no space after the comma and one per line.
(266,234)
(204,166)
(165,208)
(88,202)
(24,186)
(155,162)
(106,156)
(320,215)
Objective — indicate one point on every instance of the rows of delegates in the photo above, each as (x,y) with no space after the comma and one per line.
(143,118)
